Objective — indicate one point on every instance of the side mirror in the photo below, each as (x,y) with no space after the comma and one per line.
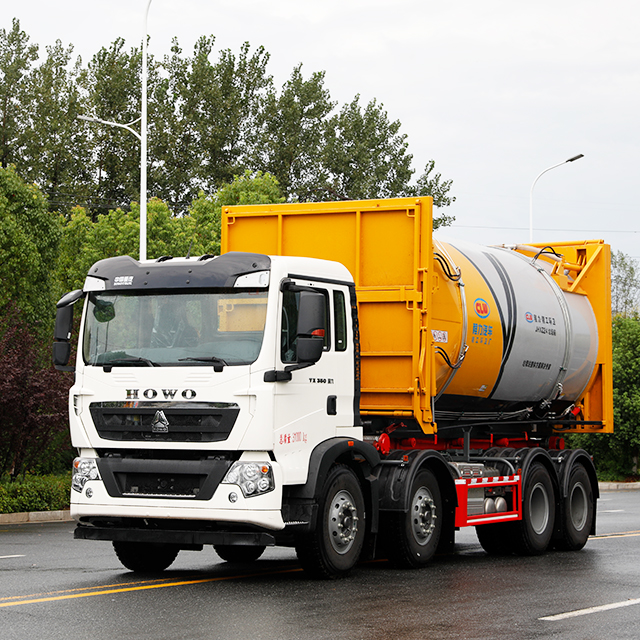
(311,326)
(309,349)
(62,332)
(61,354)
(64,323)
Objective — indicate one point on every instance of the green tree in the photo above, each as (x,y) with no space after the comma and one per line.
(625,284)
(16,56)
(365,154)
(289,138)
(205,119)
(55,153)
(433,185)
(113,89)
(29,236)
(209,120)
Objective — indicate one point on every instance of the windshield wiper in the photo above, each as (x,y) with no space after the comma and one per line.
(218,363)
(107,366)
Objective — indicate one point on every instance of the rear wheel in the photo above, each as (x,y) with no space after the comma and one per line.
(238,554)
(578,511)
(534,531)
(146,557)
(333,548)
(414,535)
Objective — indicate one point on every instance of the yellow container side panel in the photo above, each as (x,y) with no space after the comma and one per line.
(387,249)
(309,237)
(386,348)
(261,236)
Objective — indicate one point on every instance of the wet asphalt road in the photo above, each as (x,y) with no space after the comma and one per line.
(52,586)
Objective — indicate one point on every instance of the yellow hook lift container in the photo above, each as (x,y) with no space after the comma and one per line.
(451,331)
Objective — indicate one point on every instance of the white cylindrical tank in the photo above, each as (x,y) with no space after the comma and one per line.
(519,338)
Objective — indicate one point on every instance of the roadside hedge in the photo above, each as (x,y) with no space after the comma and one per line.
(35,493)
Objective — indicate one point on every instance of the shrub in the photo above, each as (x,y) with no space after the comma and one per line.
(35,493)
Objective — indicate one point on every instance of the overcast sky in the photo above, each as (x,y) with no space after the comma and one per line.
(494,91)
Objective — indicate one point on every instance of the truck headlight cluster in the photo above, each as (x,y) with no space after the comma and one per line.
(254,478)
(84,469)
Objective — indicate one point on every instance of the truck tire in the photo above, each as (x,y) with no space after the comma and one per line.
(534,531)
(414,535)
(333,548)
(145,557)
(578,511)
(496,538)
(237,553)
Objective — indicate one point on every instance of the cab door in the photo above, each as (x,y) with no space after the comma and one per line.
(317,402)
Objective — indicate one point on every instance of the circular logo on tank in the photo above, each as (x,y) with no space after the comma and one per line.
(481,308)
(528,317)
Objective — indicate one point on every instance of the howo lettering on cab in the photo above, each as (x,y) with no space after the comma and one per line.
(341,382)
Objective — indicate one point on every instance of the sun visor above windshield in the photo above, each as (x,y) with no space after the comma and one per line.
(125,273)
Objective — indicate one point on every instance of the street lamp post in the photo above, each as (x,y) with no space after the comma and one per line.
(113,124)
(580,155)
(143,144)
(142,136)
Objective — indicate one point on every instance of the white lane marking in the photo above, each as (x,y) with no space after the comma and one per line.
(610,510)
(3,557)
(584,612)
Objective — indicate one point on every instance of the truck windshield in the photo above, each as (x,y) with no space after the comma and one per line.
(174,329)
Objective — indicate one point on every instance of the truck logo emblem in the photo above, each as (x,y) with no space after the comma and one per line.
(160,424)
(481,307)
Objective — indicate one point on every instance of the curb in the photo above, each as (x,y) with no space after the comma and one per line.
(619,486)
(35,516)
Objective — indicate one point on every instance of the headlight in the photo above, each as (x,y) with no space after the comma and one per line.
(254,478)
(84,469)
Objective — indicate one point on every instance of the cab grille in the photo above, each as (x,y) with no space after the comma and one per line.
(164,421)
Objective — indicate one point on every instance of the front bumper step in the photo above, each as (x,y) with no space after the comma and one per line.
(172,536)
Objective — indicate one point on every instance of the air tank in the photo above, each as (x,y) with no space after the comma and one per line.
(507,337)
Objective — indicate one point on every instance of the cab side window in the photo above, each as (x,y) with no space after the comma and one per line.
(340,321)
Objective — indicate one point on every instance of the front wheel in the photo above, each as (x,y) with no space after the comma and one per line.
(333,548)
(414,535)
(145,557)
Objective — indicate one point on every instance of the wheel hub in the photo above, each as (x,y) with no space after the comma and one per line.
(343,522)
(423,515)
(578,506)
